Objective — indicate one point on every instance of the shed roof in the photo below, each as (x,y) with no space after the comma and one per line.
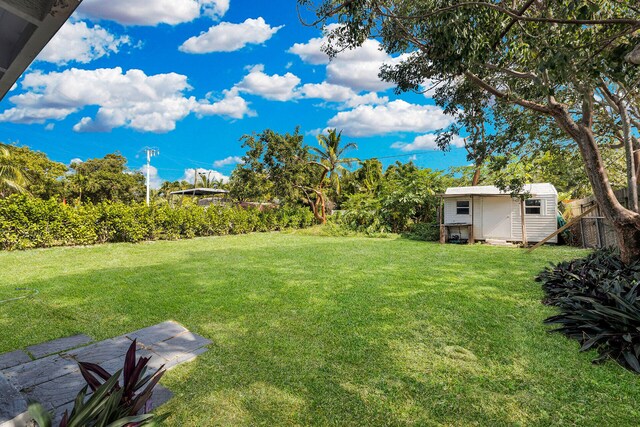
(492,190)
(26,26)
(199,192)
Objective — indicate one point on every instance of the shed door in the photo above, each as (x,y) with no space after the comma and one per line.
(496,218)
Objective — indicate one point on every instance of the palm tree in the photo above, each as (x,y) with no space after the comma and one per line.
(331,153)
(12,180)
(332,164)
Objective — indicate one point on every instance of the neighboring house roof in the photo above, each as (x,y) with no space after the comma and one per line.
(491,190)
(26,26)
(199,192)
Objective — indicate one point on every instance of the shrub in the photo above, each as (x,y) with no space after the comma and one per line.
(362,213)
(34,223)
(110,403)
(599,299)
(429,232)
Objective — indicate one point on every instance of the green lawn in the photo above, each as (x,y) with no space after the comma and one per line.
(311,330)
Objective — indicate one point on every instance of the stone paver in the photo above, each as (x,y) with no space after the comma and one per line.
(56,346)
(39,371)
(177,346)
(157,333)
(102,351)
(12,403)
(58,391)
(187,357)
(55,380)
(9,360)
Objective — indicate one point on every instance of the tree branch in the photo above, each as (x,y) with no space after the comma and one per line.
(507,97)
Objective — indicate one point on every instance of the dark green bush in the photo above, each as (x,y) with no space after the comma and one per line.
(599,299)
(429,232)
(34,223)
(362,213)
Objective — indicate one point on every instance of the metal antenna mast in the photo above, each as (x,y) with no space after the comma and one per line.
(150,153)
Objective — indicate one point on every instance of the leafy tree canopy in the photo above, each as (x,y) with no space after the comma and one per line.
(107,178)
(44,176)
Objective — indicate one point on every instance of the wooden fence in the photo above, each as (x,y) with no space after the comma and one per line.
(594,230)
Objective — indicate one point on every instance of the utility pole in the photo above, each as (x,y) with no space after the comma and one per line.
(150,153)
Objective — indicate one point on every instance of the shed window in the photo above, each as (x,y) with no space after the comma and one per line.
(462,207)
(533,207)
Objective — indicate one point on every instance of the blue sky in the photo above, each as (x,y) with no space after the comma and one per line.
(189,77)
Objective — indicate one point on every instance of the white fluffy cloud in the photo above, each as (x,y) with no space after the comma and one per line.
(232,105)
(154,178)
(311,52)
(287,87)
(228,37)
(396,116)
(215,9)
(274,87)
(426,142)
(231,160)
(132,99)
(76,41)
(357,68)
(209,173)
(341,94)
(152,12)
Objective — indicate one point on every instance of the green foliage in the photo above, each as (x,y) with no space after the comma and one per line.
(428,232)
(275,167)
(98,180)
(36,223)
(44,176)
(599,299)
(394,201)
(110,404)
(330,155)
(366,179)
(362,213)
(12,180)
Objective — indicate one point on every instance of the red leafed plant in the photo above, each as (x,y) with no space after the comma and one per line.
(110,404)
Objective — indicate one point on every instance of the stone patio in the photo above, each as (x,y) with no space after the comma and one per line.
(48,372)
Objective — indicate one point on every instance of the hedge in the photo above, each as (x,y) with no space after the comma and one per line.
(35,223)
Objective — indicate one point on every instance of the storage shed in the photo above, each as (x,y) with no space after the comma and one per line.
(486,213)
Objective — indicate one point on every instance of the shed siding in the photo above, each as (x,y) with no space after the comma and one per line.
(538,226)
(477,218)
(451,217)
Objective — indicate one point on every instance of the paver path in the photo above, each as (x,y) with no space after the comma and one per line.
(52,377)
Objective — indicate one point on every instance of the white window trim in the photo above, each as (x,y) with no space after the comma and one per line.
(469,207)
(543,207)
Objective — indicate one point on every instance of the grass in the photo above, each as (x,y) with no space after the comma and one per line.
(312,330)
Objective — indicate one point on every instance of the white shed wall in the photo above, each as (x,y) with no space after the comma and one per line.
(451,216)
(538,226)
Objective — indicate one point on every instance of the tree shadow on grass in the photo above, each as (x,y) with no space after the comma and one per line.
(393,337)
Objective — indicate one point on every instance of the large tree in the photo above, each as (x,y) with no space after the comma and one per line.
(108,178)
(331,163)
(571,65)
(331,153)
(45,176)
(275,168)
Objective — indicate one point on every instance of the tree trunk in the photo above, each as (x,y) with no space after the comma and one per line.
(625,222)
(476,175)
(324,209)
(637,161)
(629,241)
(632,178)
